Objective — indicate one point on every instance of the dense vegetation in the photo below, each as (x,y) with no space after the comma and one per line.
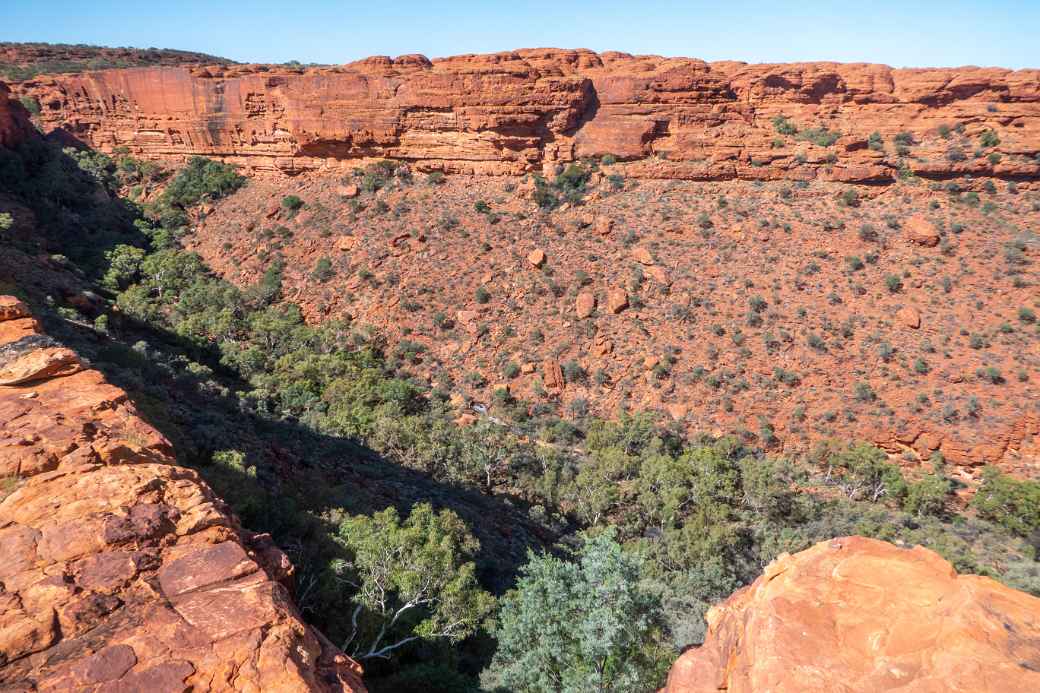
(631,529)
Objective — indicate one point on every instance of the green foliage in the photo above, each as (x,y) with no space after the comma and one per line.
(31,104)
(988,139)
(849,198)
(1008,502)
(292,202)
(124,266)
(414,579)
(928,495)
(323,271)
(784,126)
(202,179)
(861,471)
(544,196)
(6,221)
(582,625)
(821,136)
(875,142)
(571,182)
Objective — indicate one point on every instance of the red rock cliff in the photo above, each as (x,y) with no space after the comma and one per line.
(507,113)
(14,121)
(119,570)
(857,614)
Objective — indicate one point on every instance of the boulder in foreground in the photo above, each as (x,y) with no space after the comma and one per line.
(856,614)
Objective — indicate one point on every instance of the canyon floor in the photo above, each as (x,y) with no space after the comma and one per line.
(783,311)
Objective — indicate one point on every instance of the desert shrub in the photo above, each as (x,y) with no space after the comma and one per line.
(292,203)
(323,271)
(30,104)
(820,136)
(784,126)
(1008,502)
(849,198)
(989,139)
(583,624)
(202,179)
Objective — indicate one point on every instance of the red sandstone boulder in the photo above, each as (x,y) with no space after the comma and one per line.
(642,255)
(617,300)
(908,316)
(584,304)
(856,614)
(921,231)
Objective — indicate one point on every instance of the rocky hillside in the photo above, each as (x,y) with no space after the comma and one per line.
(525,110)
(776,311)
(121,570)
(24,60)
(857,614)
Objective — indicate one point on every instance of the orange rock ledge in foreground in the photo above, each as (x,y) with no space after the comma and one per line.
(120,571)
(856,614)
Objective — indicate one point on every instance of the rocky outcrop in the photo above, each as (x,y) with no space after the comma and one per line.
(14,121)
(528,110)
(856,614)
(121,571)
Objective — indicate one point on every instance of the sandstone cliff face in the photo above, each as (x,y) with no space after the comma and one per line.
(858,614)
(121,571)
(512,112)
(14,125)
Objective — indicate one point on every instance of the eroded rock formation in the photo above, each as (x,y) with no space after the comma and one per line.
(14,125)
(512,112)
(856,614)
(121,571)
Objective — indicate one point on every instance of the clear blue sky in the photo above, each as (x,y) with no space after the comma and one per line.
(906,33)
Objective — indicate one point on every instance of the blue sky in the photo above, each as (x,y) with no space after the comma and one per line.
(908,33)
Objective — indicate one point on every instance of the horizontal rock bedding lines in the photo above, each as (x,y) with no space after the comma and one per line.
(531,110)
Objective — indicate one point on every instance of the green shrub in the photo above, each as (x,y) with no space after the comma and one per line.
(928,496)
(1008,502)
(292,202)
(202,179)
(989,139)
(589,624)
(31,104)
(323,271)
(821,136)
(784,126)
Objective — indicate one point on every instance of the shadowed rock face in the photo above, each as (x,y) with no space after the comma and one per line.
(121,570)
(14,123)
(856,614)
(508,113)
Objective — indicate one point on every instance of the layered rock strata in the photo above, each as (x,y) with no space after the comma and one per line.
(530,110)
(120,570)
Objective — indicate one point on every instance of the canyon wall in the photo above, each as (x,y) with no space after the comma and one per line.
(120,570)
(529,110)
(856,614)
